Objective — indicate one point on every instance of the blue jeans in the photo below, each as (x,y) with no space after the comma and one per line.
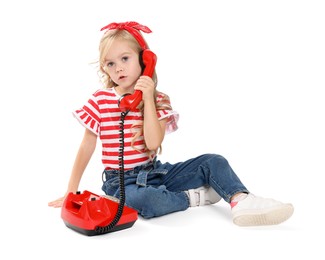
(157,188)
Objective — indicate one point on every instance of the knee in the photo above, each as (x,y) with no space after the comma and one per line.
(217,159)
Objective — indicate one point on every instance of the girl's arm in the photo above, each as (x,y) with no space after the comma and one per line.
(85,152)
(153,129)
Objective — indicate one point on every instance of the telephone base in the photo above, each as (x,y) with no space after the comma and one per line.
(89,214)
(89,232)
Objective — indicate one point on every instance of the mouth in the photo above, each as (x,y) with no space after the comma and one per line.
(122,77)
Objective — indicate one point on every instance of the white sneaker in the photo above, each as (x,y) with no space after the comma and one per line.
(201,196)
(258,211)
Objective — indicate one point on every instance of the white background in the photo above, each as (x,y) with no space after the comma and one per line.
(247,78)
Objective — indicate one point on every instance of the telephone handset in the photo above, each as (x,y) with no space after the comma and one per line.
(129,101)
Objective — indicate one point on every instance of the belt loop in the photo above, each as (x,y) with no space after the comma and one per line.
(104,176)
(142,177)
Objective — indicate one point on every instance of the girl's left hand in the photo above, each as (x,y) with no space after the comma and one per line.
(147,86)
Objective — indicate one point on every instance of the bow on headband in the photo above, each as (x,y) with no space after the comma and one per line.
(131,27)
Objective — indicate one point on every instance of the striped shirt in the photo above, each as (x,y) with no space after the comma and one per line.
(102,116)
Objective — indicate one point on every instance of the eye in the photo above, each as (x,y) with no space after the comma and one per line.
(125,58)
(110,64)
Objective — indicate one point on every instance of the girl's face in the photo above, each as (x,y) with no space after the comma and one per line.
(123,66)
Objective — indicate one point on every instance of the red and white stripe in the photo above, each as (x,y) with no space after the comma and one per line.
(102,116)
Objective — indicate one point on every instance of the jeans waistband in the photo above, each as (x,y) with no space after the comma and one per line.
(141,171)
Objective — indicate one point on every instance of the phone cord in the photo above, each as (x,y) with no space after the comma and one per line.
(119,212)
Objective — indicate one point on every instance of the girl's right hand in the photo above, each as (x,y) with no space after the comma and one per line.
(57,203)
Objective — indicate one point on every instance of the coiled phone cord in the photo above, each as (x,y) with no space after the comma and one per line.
(119,212)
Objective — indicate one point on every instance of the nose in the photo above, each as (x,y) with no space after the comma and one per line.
(119,68)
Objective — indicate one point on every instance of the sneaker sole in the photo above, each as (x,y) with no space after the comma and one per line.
(272,216)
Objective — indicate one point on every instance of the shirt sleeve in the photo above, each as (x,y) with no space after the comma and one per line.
(171,115)
(172,119)
(89,115)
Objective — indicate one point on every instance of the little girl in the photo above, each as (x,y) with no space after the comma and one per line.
(154,188)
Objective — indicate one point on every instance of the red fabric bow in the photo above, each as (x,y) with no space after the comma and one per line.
(131,27)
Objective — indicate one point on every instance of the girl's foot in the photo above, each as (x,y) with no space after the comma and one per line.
(201,196)
(258,211)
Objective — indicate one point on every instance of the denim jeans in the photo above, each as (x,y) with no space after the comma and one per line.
(157,188)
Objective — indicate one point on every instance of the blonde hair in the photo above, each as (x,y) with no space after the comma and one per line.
(105,43)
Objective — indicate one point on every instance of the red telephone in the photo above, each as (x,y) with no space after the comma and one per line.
(128,101)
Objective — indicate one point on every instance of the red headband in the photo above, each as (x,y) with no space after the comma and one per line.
(131,27)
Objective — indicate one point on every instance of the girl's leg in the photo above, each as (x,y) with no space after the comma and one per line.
(214,170)
(207,169)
